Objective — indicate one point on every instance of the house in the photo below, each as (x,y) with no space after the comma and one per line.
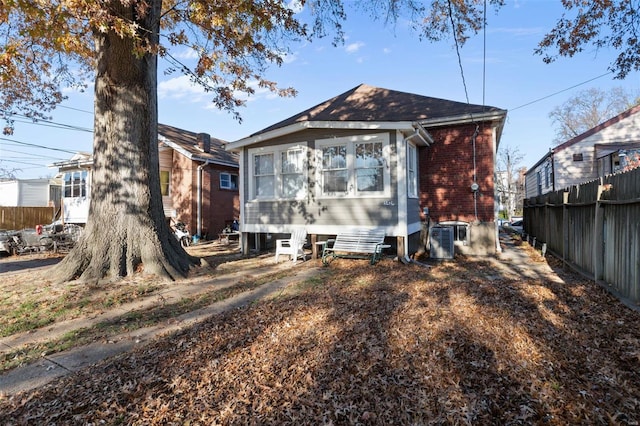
(198,181)
(30,193)
(610,147)
(374,157)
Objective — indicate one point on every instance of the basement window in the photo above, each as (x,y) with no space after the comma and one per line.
(460,231)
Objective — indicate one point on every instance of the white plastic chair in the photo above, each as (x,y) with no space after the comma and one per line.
(293,246)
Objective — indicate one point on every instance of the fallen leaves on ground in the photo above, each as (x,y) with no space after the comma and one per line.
(458,343)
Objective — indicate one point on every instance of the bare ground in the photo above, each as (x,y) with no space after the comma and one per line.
(464,342)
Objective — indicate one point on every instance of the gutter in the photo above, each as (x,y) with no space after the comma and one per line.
(199,199)
(421,134)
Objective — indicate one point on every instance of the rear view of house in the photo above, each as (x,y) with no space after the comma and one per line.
(376,158)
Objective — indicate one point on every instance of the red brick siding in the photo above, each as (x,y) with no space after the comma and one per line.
(182,190)
(446,174)
(219,205)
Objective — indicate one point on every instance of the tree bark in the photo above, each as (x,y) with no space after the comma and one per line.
(126,231)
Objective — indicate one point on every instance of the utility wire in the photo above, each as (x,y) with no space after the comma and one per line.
(30,155)
(455,39)
(561,91)
(39,146)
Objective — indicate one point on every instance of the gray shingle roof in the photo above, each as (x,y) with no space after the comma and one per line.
(368,103)
(188,141)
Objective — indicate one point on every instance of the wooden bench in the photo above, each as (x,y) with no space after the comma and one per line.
(358,244)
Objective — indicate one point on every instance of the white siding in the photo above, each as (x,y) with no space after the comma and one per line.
(9,194)
(25,193)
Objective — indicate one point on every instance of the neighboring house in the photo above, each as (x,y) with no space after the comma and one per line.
(373,157)
(30,193)
(610,147)
(198,181)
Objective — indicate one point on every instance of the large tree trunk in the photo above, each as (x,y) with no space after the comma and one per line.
(126,231)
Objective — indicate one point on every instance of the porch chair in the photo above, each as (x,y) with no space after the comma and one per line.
(293,246)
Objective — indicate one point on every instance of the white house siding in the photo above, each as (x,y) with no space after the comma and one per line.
(569,170)
(321,215)
(9,193)
(25,193)
(166,163)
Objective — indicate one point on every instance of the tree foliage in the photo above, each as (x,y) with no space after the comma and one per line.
(509,182)
(587,109)
(599,23)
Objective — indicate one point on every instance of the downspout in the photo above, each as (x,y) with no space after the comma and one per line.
(199,199)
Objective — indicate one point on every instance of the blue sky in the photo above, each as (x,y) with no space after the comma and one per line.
(390,57)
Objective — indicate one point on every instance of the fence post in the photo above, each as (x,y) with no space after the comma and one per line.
(565,227)
(598,237)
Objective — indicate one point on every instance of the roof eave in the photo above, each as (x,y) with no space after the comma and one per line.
(464,119)
(194,157)
(296,127)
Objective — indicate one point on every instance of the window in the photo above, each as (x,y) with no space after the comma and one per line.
(264,175)
(369,167)
(228,181)
(460,231)
(164,182)
(412,174)
(334,169)
(539,181)
(280,173)
(354,166)
(547,170)
(75,184)
(577,157)
(292,166)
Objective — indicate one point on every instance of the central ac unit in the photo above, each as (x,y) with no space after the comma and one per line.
(441,242)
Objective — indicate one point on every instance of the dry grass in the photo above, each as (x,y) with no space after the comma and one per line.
(390,344)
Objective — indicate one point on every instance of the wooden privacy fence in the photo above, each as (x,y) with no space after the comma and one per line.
(595,229)
(16,218)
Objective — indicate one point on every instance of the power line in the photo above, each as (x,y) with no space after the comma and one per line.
(39,146)
(455,39)
(29,154)
(560,91)
(75,109)
(24,162)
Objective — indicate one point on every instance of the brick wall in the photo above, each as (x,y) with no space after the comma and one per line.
(219,205)
(446,174)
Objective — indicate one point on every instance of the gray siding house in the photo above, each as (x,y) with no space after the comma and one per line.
(351,161)
(610,147)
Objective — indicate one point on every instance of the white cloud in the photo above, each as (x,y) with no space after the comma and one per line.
(187,53)
(179,88)
(353,47)
(386,50)
(296,6)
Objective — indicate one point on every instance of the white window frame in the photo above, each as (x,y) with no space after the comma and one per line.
(278,174)
(350,143)
(412,171)
(75,184)
(230,181)
(456,231)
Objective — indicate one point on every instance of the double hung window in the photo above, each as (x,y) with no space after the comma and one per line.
(412,171)
(354,166)
(279,172)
